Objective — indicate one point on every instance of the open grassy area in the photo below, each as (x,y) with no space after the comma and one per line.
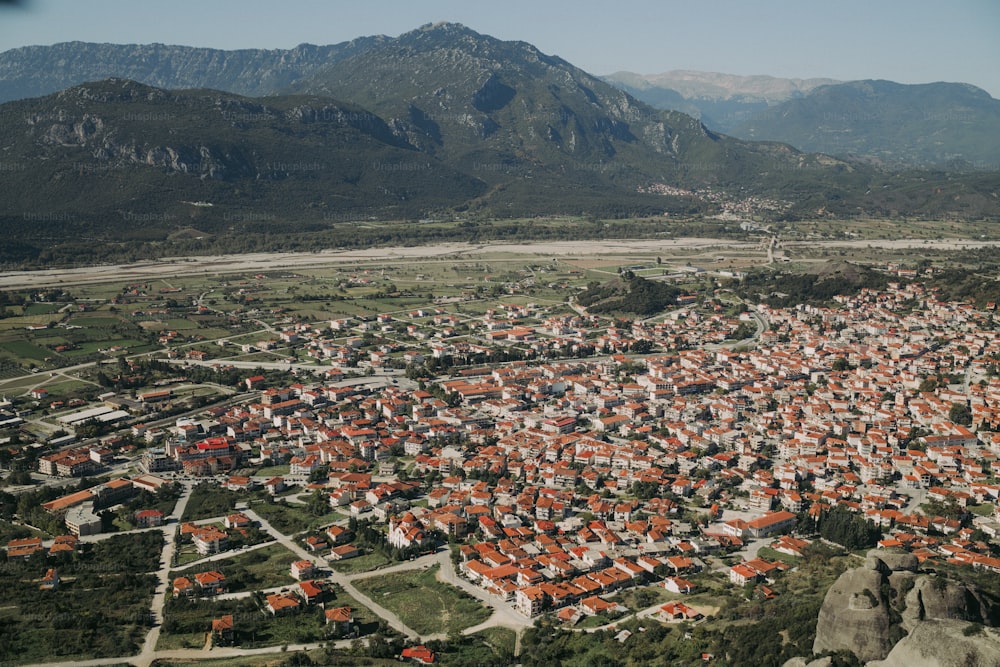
(364,563)
(422,602)
(767,553)
(501,639)
(291,519)
(265,567)
(271,471)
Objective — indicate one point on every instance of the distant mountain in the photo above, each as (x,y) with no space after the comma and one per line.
(33,71)
(439,123)
(721,101)
(952,125)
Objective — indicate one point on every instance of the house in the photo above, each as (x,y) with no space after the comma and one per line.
(303,569)
(678,585)
(678,611)
(314,543)
(209,540)
(64,544)
(598,605)
(283,603)
(420,654)
(148,518)
(338,534)
(742,574)
(275,485)
(312,592)
(183,587)
(210,583)
(23,548)
(529,600)
(344,551)
(50,581)
(340,618)
(237,520)
(223,630)
(570,615)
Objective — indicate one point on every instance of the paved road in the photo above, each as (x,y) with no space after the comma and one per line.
(337,578)
(148,653)
(503,613)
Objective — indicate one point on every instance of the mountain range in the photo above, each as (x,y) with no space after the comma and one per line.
(952,126)
(441,122)
(720,101)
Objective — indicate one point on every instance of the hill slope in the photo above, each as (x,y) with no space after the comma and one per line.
(33,71)
(932,125)
(118,160)
(721,101)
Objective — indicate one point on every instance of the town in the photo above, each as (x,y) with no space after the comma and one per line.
(503,451)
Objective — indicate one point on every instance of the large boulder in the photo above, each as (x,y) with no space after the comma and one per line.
(943,643)
(855,614)
(934,597)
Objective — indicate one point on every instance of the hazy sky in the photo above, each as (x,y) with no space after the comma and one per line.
(910,41)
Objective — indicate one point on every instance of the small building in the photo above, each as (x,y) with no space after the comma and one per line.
(303,569)
(50,581)
(340,618)
(223,630)
(283,603)
(420,654)
(148,518)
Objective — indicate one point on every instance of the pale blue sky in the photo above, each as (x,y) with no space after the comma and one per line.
(910,41)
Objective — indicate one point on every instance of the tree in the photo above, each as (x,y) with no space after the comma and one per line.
(960,414)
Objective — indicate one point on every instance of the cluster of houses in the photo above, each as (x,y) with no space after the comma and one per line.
(578,477)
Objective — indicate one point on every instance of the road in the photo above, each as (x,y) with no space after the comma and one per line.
(503,613)
(341,580)
(170,529)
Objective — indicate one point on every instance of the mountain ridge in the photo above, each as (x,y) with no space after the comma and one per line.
(443,123)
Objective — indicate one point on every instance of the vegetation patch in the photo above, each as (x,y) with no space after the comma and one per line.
(422,602)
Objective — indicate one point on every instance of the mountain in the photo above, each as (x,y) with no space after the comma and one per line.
(439,123)
(721,101)
(539,129)
(951,125)
(33,71)
(118,160)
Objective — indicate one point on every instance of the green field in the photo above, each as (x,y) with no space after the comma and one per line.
(25,350)
(94,321)
(42,308)
(423,603)
(291,519)
(364,563)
